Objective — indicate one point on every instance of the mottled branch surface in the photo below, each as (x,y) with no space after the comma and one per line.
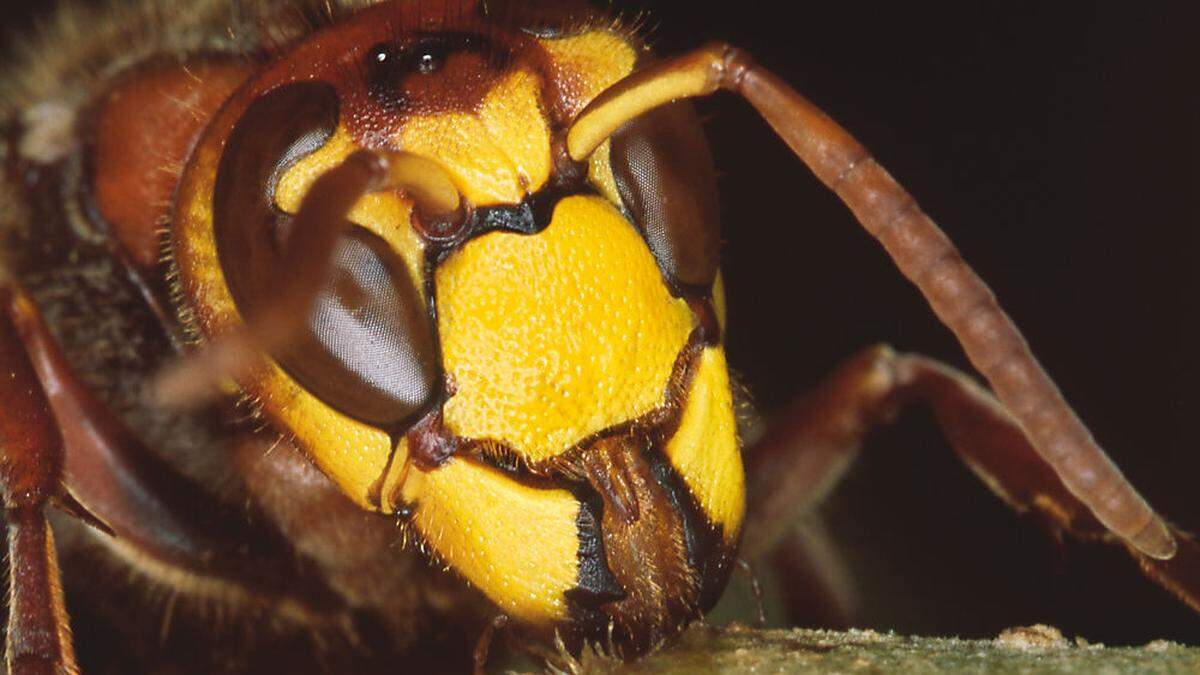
(1032,650)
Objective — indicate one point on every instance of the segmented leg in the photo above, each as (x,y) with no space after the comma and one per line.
(161,523)
(820,591)
(31,465)
(306,265)
(293,550)
(794,465)
(923,253)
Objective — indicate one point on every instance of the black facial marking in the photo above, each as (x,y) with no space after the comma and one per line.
(596,584)
(389,65)
(708,555)
(531,216)
(385,67)
(519,218)
(428,61)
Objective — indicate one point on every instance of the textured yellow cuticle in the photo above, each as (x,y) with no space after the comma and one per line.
(495,155)
(511,113)
(553,337)
(517,544)
(587,64)
(351,453)
(385,214)
(705,448)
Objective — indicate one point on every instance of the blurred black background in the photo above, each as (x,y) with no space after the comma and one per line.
(1056,144)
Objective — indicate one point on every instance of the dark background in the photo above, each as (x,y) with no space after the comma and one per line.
(1056,144)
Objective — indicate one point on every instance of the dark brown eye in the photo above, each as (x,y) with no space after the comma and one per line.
(428,62)
(666,178)
(369,351)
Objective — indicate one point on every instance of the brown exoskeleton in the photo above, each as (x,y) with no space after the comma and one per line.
(478,242)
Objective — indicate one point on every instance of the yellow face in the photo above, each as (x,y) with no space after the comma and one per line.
(581,382)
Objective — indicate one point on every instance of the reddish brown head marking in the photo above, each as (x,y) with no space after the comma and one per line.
(432,73)
(142,132)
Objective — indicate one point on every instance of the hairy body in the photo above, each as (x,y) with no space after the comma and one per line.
(133,613)
(250,485)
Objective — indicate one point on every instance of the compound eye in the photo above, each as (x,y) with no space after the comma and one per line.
(369,349)
(666,177)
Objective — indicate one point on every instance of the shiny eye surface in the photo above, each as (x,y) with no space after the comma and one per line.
(428,63)
(369,351)
(398,74)
(388,62)
(665,175)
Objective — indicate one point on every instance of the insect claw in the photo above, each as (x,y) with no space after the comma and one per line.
(69,504)
(484,646)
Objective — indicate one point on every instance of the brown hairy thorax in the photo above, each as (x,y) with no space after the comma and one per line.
(116,329)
